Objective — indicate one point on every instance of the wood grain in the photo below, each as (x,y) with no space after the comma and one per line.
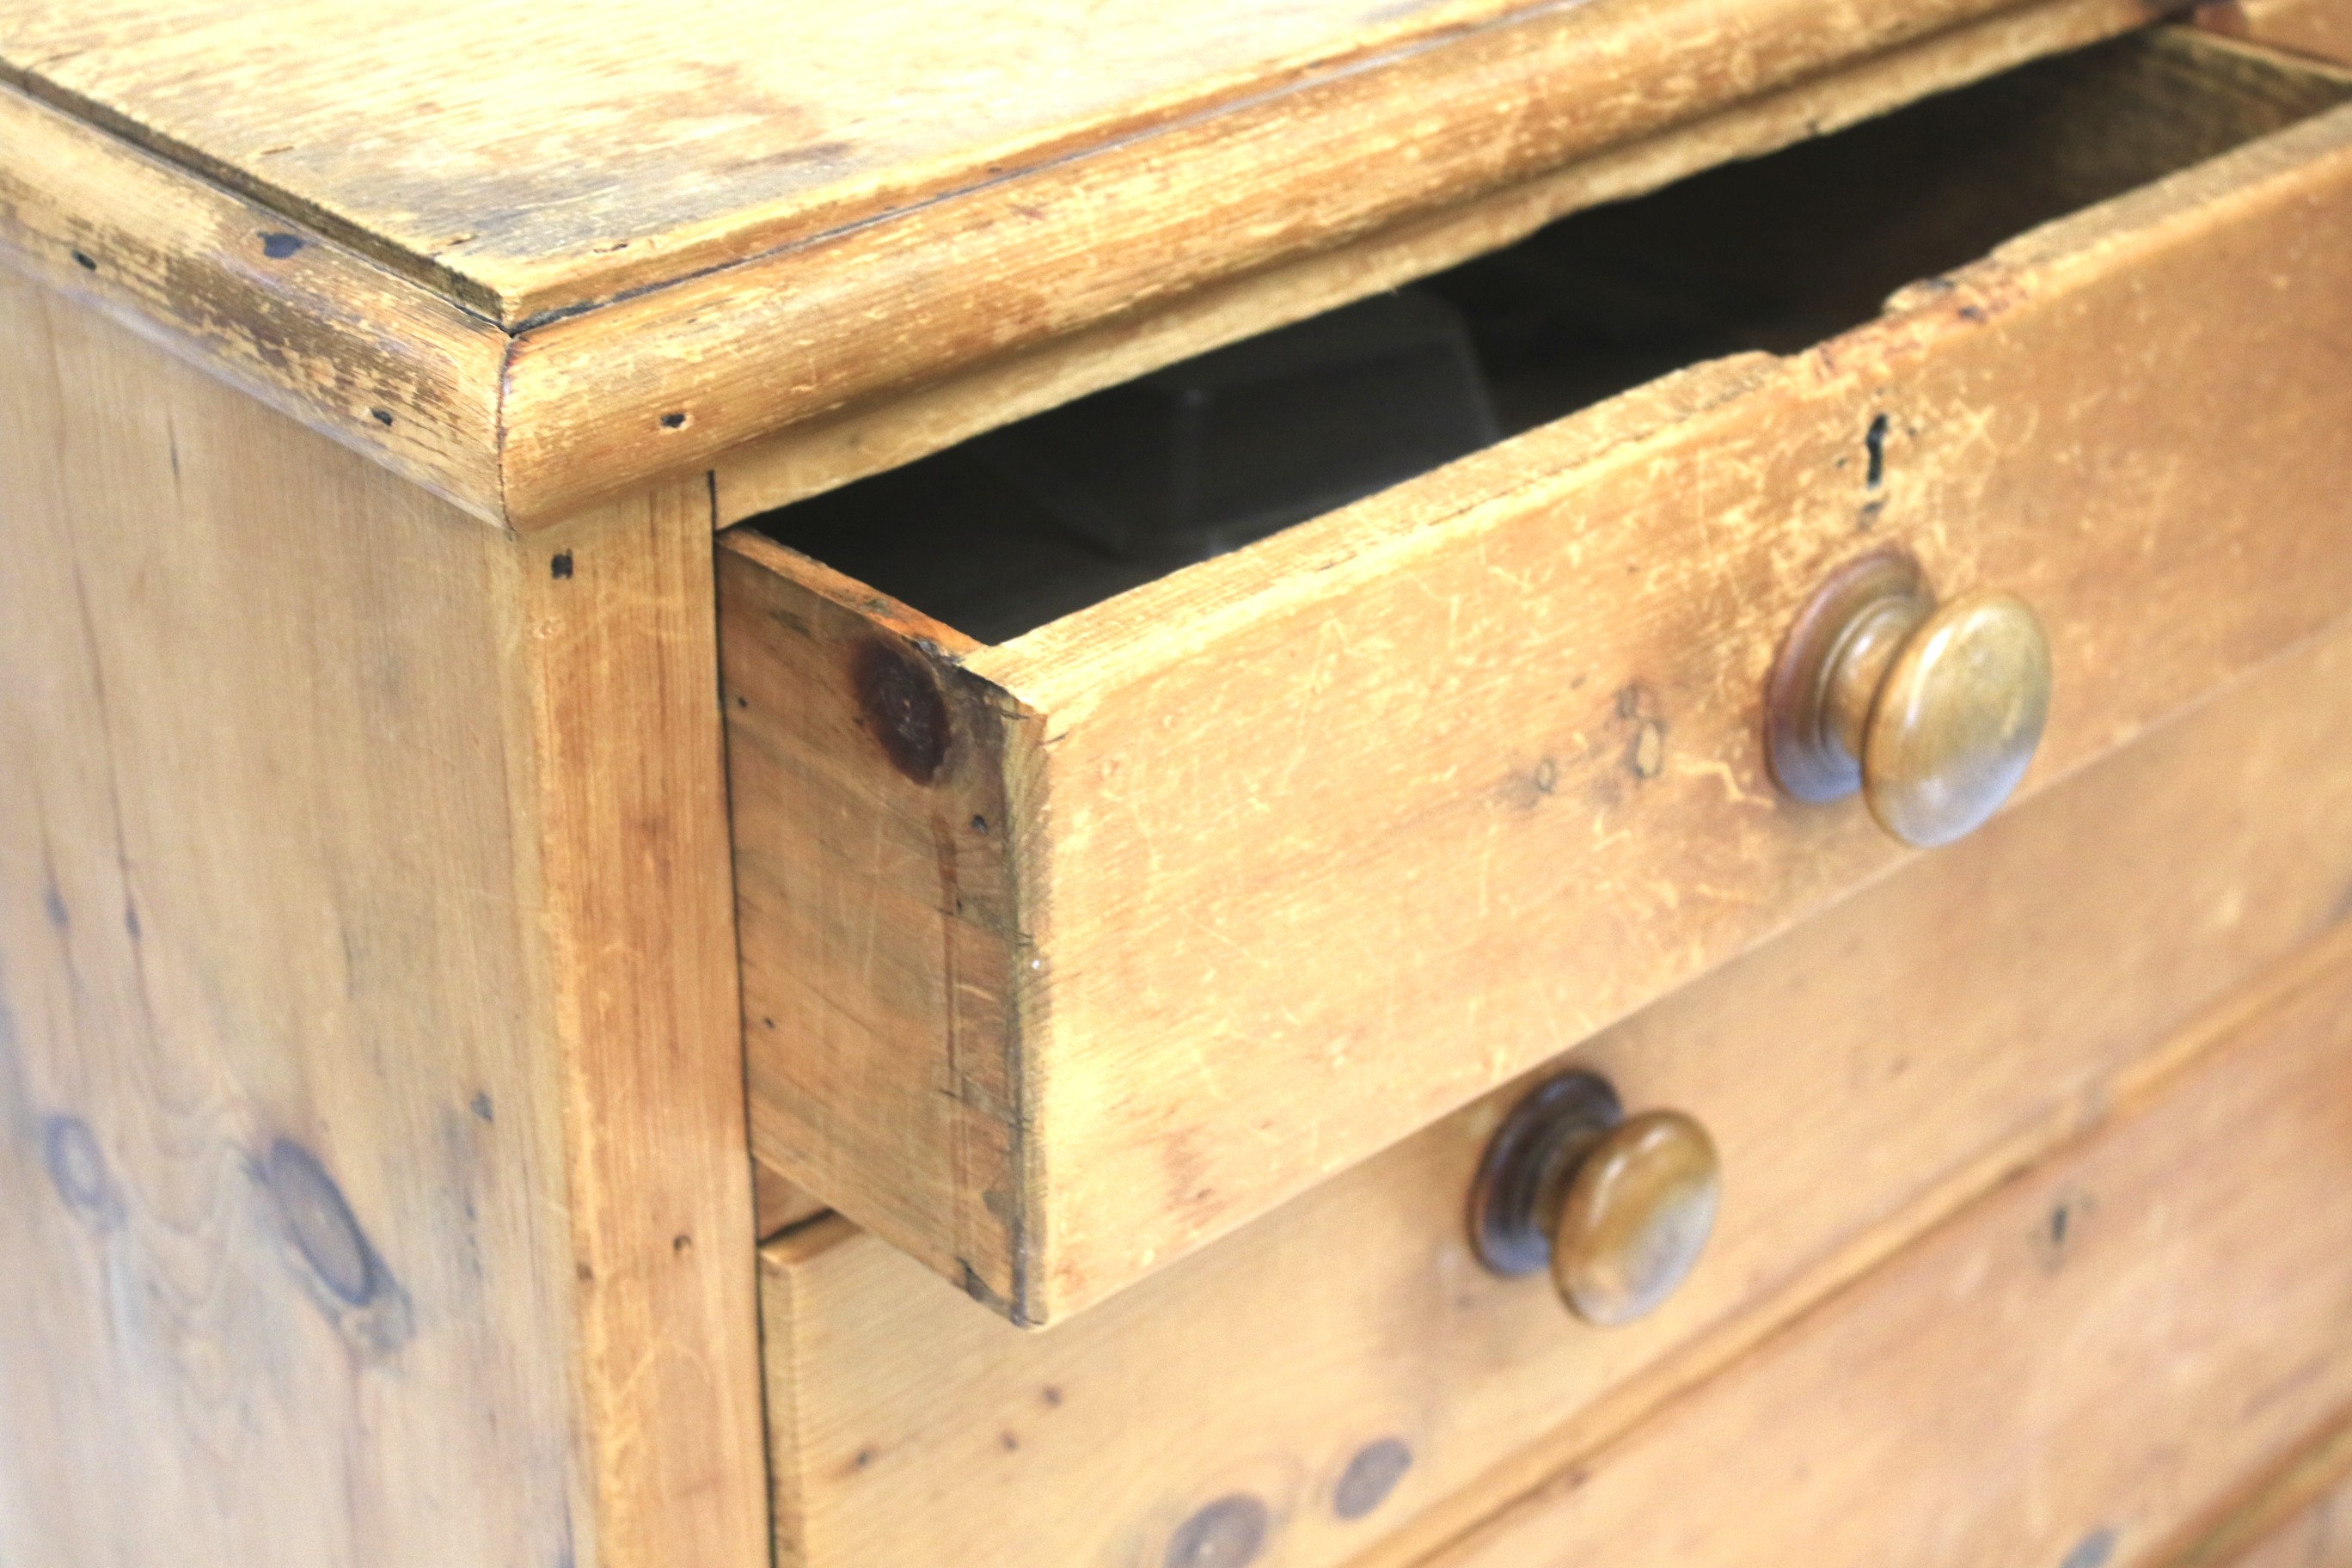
(533,163)
(778,1204)
(868,312)
(333,340)
(2070,1371)
(595,223)
(871,799)
(525,164)
(616,653)
(1863,1076)
(366,1031)
(1314,843)
(2300,1515)
(2321,27)
(822,452)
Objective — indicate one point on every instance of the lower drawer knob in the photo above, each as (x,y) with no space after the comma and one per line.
(1618,1207)
(1931,711)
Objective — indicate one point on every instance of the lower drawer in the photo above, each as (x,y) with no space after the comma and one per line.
(2071,1372)
(1344,1369)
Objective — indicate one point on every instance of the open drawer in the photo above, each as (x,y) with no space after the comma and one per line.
(1342,1376)
(1067,952)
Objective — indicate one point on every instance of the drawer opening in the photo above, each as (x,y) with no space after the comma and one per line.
(1067,954)
(1047,517)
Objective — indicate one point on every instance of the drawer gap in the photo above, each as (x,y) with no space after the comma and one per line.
(1025,525)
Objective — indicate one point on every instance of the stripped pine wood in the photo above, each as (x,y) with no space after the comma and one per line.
(1863,1076)
(531,162)
(2322,27)
(2298,1517)
(876,308)
(619,205)
(370,1098)
(823,453)
(1306,845)
(617,658)
(311,329)
(261,956)
(2319,1538)
(2072,1370)
(779,1205)
(534,164)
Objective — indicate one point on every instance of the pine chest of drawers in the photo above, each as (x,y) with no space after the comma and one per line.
(1320,787)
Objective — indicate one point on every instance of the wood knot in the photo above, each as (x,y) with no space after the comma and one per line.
(1227,1534)
(1370,1476)
(78,1165)
(903,709)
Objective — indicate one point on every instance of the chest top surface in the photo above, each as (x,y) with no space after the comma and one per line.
(530,160)
(534,255)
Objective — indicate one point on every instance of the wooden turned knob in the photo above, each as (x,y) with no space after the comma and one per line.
(1618,1207)
(1932,712)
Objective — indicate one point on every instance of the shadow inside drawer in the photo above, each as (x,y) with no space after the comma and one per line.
(1047,516)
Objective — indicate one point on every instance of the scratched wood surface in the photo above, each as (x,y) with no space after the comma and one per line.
(1863,1076)
(2070,1372)
(372,1180)
(1310,844)
(623,202)
(819,453)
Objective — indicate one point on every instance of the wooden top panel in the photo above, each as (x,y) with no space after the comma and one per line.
(534,159)
(533,258)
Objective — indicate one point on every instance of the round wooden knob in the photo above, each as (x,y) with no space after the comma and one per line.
(1932,712)
(1618,1208)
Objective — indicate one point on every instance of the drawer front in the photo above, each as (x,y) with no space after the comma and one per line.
(2076,1370)
(1065,955)
(1861,1077)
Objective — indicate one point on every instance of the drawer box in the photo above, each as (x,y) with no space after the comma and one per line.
(1065,954)
(1863,1076)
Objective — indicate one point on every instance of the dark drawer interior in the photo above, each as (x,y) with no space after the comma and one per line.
(1045,517)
